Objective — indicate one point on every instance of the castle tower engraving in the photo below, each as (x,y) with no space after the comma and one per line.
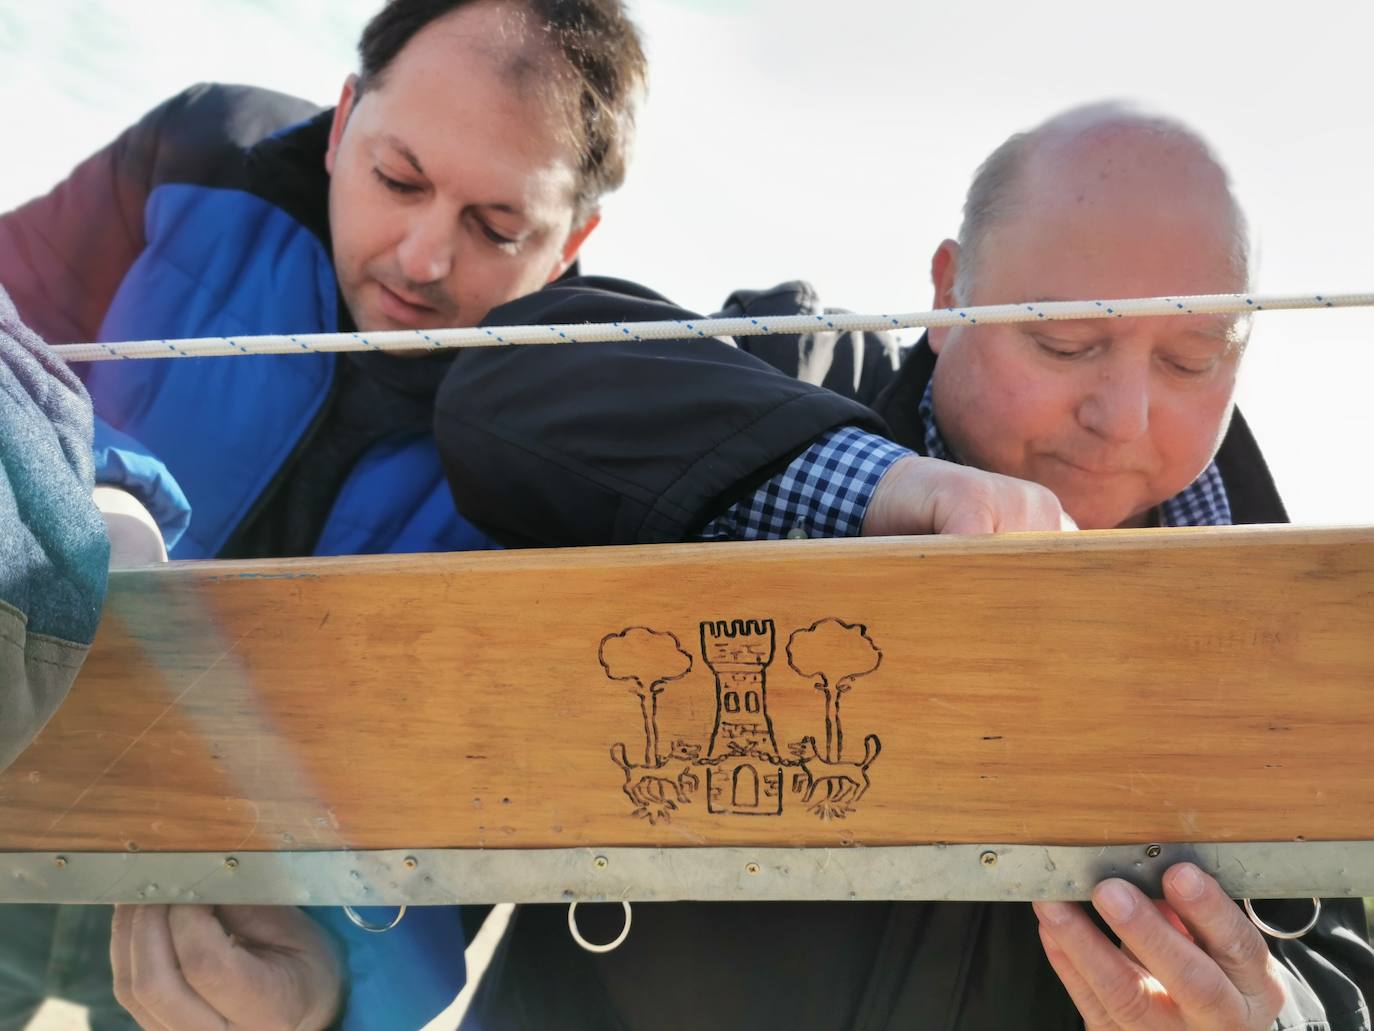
(746,774)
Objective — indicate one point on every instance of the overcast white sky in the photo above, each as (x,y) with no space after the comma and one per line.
(833,141)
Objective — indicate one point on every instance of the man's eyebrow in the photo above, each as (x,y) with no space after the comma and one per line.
(396,144)
(1223,334)
(401,148)
(1083,324)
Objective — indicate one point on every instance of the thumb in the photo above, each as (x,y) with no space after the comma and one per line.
(259,965)
(226,975)
(278,927)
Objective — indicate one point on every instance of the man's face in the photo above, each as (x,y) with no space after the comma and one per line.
(451,189)
(1114,416)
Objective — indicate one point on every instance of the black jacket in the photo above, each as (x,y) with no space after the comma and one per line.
(537,436)
(611,443)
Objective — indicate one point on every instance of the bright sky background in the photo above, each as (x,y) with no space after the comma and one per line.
(833,141)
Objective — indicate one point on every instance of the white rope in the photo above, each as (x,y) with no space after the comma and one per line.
(595,332)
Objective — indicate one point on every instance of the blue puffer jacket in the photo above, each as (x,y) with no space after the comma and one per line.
(209,218)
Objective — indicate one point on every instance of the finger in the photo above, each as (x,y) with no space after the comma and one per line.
(1027,508)
(1171,915)
(1089,1006)
(135,539)
(967,519)
(157,982)
(274,927)
(1167,912)
(1052,515)
(1196,984)
(1128,995)
(1226,934)
(1043,511)
(260,964)
(121,963)
(217,966)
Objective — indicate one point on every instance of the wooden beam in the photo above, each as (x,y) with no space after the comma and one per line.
(1094,688)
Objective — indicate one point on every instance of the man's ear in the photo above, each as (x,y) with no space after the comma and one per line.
(944,270)
(573,244)
(348,96)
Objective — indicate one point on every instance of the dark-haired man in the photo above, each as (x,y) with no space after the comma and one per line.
(461,169)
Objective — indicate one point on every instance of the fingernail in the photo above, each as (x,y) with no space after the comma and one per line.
(1187,881)
(1114,900)
(1052,913)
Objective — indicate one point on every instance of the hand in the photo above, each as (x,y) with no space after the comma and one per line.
(135,539)
(926,495)
(224,968)
(1193,962)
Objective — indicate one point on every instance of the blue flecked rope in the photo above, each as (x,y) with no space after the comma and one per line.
(595,332)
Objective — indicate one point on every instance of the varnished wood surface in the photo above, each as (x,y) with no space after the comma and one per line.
(1078,689)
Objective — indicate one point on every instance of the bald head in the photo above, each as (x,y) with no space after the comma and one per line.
(1107,166)
(1115,416)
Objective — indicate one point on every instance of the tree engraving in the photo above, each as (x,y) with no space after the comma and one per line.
(649,659)
(833,654)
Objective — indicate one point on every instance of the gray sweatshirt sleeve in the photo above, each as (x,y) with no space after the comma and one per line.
(54,553)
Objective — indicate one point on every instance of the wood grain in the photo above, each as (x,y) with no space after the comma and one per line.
(1117,687)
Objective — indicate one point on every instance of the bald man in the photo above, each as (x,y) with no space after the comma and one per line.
(1125,422)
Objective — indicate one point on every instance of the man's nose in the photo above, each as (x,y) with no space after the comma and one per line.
(1117,407)
(425,253)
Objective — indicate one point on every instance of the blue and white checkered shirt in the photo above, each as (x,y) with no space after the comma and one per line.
(823,493)
(826,489)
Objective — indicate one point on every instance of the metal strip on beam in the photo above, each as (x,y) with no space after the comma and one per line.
(968,873)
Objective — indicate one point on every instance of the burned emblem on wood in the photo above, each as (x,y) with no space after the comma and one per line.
(742,770)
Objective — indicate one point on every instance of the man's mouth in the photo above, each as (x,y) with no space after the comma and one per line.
(401,308)
(1097,470)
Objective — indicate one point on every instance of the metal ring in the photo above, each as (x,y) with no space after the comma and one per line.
(1274,932)
(362,924)
(609,947)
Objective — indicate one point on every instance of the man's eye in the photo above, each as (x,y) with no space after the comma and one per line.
(495,237)
(1188,369)
(395,185)
(1061,349)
